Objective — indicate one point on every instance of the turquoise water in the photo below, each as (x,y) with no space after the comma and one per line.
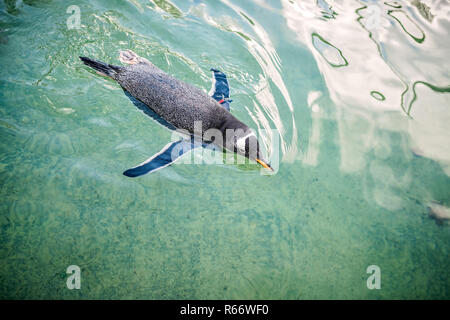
(358,92)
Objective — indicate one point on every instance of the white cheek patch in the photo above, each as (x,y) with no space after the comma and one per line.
(240,143)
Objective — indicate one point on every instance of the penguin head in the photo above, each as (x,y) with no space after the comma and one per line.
(247,145)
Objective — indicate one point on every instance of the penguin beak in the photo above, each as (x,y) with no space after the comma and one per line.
(265,165)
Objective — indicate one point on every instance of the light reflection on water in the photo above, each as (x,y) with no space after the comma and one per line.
(388,59)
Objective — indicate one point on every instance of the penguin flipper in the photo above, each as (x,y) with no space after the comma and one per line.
(168,155)
(220,90)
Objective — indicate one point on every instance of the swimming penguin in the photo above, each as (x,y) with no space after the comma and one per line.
(182,107)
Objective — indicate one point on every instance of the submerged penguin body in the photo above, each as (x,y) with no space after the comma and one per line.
(182,105)
(177,102)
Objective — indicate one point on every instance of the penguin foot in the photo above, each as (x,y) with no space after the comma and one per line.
(129,57)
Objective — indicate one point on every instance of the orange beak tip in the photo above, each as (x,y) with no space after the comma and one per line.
(265,165)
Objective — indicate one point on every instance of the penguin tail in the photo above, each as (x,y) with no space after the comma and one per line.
(105,69)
